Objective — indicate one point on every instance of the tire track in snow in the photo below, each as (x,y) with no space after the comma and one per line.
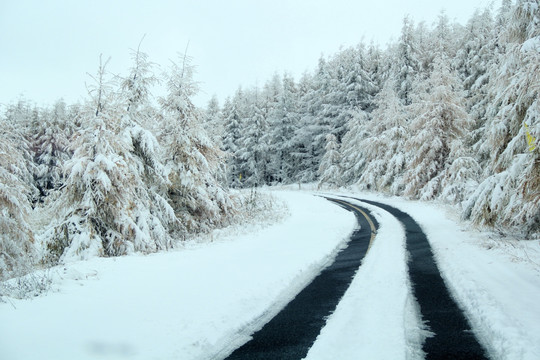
(291,333)
(453,337)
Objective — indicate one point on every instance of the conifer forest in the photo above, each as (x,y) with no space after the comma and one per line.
(446,112)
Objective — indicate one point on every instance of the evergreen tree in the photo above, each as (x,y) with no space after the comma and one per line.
(282,121)
(311,125)
(510,193)
(196,196)
(51,146)
(383,151)
(353,154)
(302,142)
(439,123)
(17,251)
(406,63)
(329,170)
(233,114)
(104,204)
(254,153)
(213,121)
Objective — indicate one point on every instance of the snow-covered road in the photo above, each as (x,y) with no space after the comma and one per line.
(203,300)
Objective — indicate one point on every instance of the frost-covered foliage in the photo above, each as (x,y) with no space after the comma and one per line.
(51,147)
(198,199)
(109,203)
(17,251)
(383,151)
(449,112)
(438,115)
(439,122)
(330,169)
(112,176)
(510,194)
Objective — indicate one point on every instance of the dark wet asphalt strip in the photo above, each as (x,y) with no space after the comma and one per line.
(291,333)
(453,337)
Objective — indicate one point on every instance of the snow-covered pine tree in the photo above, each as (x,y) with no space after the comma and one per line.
(340,90)
(358,86)
(254,153)
(474,57)
(104,203)
(51,146)
(197,198)
(214,125)
(407,64)
(213,121)
(474,60)
(302,155)
(330,169)
(439,123)
(21,120)
(352,152)
(155,216)
(17,252)
(282,121)
(510,195)
(233,113)
(317,115)
(383,150)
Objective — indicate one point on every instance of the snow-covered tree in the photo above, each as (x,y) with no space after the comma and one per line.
(199,201)
(330,170)
(510,195)
(439,123)
(51,146)
(282,121)
(254,154)
(406,64)
(20,122)
(233,113)
(105,204)
(17,252)
(312,127)
(383,151)
(352,153)
(213,121)
(136,90)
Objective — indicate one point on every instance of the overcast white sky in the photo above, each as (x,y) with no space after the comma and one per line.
(48,47)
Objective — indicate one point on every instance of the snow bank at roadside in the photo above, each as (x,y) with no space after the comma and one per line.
(188,304)
(497,282)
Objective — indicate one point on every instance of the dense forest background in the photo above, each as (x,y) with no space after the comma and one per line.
(447,112)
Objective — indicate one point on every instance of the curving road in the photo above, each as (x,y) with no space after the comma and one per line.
(291,333)
(453,338)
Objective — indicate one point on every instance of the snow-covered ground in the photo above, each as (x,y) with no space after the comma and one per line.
(186,304)
(200,301)
(496,280)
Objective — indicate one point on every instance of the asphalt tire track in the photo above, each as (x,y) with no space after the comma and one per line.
(292,332)
(453,337)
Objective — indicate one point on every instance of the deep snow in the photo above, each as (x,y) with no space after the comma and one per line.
(186,304)
(200,301)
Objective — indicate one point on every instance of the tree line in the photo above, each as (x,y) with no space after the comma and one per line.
(446,112)
(117,174)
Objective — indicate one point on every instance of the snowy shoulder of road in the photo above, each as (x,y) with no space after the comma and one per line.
(495,279)
(377,317)
(197,302)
